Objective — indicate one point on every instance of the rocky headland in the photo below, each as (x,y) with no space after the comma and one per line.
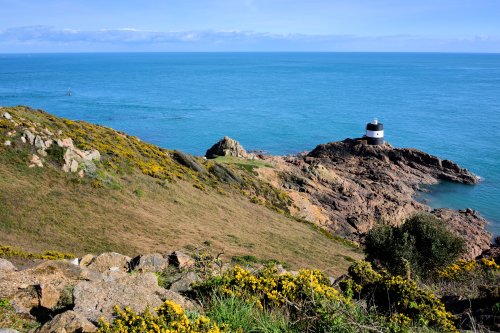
(348,187)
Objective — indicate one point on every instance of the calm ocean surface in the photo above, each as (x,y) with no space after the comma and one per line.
(444,104)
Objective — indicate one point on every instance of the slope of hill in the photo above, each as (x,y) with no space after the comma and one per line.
(106,191)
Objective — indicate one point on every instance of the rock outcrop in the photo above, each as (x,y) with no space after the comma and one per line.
(348,186)
(47,145)
(226,147)
(96,299)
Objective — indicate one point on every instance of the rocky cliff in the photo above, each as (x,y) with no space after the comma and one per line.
(348,187)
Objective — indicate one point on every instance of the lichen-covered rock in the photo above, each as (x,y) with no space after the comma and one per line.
(185,282)
(153,262)
(68,322)
(94,300)
(226,147)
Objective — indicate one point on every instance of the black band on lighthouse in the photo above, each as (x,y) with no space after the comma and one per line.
(374,127)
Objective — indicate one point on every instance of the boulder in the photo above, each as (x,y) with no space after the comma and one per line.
(94,300)
(8,330)
(154,262)
(7,143)
(36,161)
(185,282)
(109,261)
(40,285)
(7,266)
(92,155)
(68,322)
(30,137)
(39,143)
(181,260)
(86,260)
(7,115)
(48,296)
(73,166)
(226,147)
(188,161)
(65,143)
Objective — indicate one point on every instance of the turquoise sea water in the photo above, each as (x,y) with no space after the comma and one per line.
(444,104)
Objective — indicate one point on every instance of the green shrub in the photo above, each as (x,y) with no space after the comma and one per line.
(422,240)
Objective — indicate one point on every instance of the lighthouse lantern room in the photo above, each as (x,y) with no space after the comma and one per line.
(375,133)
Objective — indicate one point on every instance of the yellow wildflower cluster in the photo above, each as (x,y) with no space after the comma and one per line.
(462,267)
(9,251)
(170,318)
(267,288)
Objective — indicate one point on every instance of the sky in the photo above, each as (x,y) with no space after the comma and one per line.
(30,26)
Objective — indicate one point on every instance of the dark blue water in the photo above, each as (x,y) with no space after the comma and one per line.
(444,104)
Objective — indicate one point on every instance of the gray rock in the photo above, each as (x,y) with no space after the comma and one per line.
(7,143)
(39,143)
(154,262)
(109,261)
(181,260)
(185,283)
(6,265)
(30,137)
(7,115)
(94,300)
(188,161)
(93,155)
(68,322)
(226,147)
(73,166)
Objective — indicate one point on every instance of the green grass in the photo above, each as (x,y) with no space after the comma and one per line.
(245,316)
(243,163)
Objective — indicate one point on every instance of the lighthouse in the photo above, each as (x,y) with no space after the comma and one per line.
(375,133)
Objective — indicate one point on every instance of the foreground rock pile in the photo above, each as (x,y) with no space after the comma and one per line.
(72,295)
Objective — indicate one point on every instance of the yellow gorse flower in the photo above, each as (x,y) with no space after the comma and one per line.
(170,318)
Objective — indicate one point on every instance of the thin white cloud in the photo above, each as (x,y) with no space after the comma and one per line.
(135,39)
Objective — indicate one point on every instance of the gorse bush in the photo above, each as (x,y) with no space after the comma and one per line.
(398,298)
(422,241)
(170,318)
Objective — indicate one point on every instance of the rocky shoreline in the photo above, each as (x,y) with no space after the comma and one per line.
(348,187)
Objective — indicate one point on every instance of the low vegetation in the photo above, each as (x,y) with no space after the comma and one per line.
(422,244)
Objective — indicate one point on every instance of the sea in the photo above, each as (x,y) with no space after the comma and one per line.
(283,103)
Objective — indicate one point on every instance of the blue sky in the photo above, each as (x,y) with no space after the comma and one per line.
(249,25)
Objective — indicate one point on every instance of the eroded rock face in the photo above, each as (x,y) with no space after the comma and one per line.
(137,291)
(348,186)
(226,147)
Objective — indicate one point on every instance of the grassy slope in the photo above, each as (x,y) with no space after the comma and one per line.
(47,209)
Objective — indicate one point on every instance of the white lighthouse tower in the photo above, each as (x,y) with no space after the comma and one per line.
(375,133)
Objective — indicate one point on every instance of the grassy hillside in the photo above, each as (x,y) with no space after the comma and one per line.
(143,198)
